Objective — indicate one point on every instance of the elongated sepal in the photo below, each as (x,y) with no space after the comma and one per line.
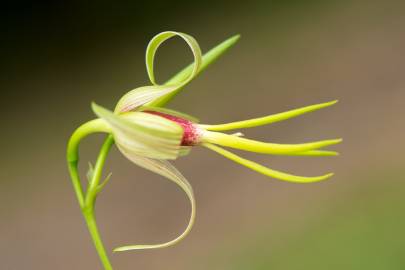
(265,148)
(143,134)
(143,95)
(268,119)
(264,170)
(164,168)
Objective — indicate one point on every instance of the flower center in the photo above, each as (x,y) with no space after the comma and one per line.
(191,134)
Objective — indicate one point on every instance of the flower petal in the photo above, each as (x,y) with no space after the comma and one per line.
(167,170)
(142,95)
(262,147)
(264,170)
(143,133)
(208,58)
(155,43)
(268,119)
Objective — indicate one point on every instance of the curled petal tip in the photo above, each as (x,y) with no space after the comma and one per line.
(330,103)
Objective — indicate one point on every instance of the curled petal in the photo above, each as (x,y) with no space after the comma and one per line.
(162,37)
(262,147)
(268,119)
(208,58)
(167,170)
(264,170)
(143,95)
(143,133)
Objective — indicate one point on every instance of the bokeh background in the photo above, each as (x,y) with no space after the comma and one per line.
(58,57)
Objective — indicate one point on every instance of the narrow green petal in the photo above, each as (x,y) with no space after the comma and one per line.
(262,147)
(316,153)
(165,169)
(264,170)
(208,58)
(143,133)
(268,119)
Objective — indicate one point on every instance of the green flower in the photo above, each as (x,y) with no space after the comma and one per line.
(150,135)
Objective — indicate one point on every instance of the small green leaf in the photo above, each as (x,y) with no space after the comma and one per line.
(90,172)
(102,185)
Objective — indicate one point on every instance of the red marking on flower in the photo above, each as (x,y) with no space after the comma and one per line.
(191,134)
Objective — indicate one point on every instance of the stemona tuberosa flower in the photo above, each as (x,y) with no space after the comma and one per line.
(150,135)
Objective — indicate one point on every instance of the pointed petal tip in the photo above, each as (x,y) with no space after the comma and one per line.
(333,102)
(120,249)
(235,38)
(332,141)
(327,176)
(316,178)
(95,107)
(134,247)
(327,104)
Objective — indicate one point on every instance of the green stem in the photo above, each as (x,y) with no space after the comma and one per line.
(95,235)
(87,202)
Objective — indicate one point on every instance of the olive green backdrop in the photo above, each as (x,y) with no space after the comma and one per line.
(57,58)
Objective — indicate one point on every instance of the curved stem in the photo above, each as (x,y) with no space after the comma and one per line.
(93,126)
(95,235)
(87,202)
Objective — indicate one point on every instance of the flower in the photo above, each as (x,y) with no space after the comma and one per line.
(150,135)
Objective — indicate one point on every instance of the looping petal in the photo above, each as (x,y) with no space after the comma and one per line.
(146,94)
(162,37)
(167,170)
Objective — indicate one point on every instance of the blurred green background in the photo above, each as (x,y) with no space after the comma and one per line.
(60,56)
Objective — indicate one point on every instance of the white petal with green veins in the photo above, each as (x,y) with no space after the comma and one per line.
(167,170)
(143,133)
